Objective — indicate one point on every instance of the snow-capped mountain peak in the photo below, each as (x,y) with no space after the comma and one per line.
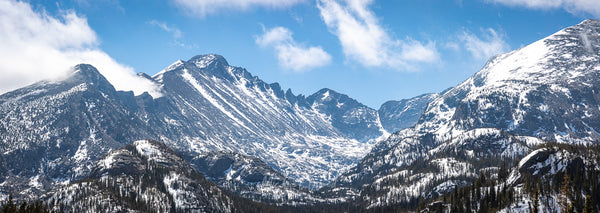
(210,61)
(526,90)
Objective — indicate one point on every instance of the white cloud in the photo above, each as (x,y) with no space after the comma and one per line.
(208,7)
(175,32)
(36,46)
(365,41)
(491,43)
(292,55)
(573,6)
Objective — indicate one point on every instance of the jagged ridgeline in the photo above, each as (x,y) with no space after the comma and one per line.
(518,136)
(52,132)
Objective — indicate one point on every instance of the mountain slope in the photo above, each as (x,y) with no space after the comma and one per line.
(221,107)
(52,131)
(552,178)
(548,89)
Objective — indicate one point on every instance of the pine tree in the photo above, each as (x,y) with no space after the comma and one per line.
(571,208)
(10,207)
(588,205)
(535,201)
(563,197)
(503,172)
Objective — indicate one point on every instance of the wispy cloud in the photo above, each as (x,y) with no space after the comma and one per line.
(489,44)
(572,6)
(38,46)
(208,7)
(292,55)
(364,40)
(175,32)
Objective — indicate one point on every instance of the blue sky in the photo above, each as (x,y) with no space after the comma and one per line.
(373,51)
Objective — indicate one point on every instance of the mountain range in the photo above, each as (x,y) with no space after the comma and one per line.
(54,131)
(512,128)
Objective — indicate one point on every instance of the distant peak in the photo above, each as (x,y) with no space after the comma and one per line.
(202,61)
(87,73)
(326,90)
(85,68)
(329,95)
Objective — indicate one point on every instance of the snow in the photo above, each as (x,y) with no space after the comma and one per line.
(81,153)
(176,193)
(187,76)
(206,60)
(229,173)
(526,158)
(35,182)
(325,96)
(145,148)
(452,167)
(108,161)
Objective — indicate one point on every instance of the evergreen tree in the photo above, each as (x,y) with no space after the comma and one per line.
(565,191)
(10,207)
(571,208)
(34,207)
(588,208)
(536,201)
(503,172)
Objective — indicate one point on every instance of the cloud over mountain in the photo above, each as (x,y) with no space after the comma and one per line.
(37,46)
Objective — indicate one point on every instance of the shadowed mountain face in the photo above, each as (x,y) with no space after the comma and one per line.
(398,115)
(352,118)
